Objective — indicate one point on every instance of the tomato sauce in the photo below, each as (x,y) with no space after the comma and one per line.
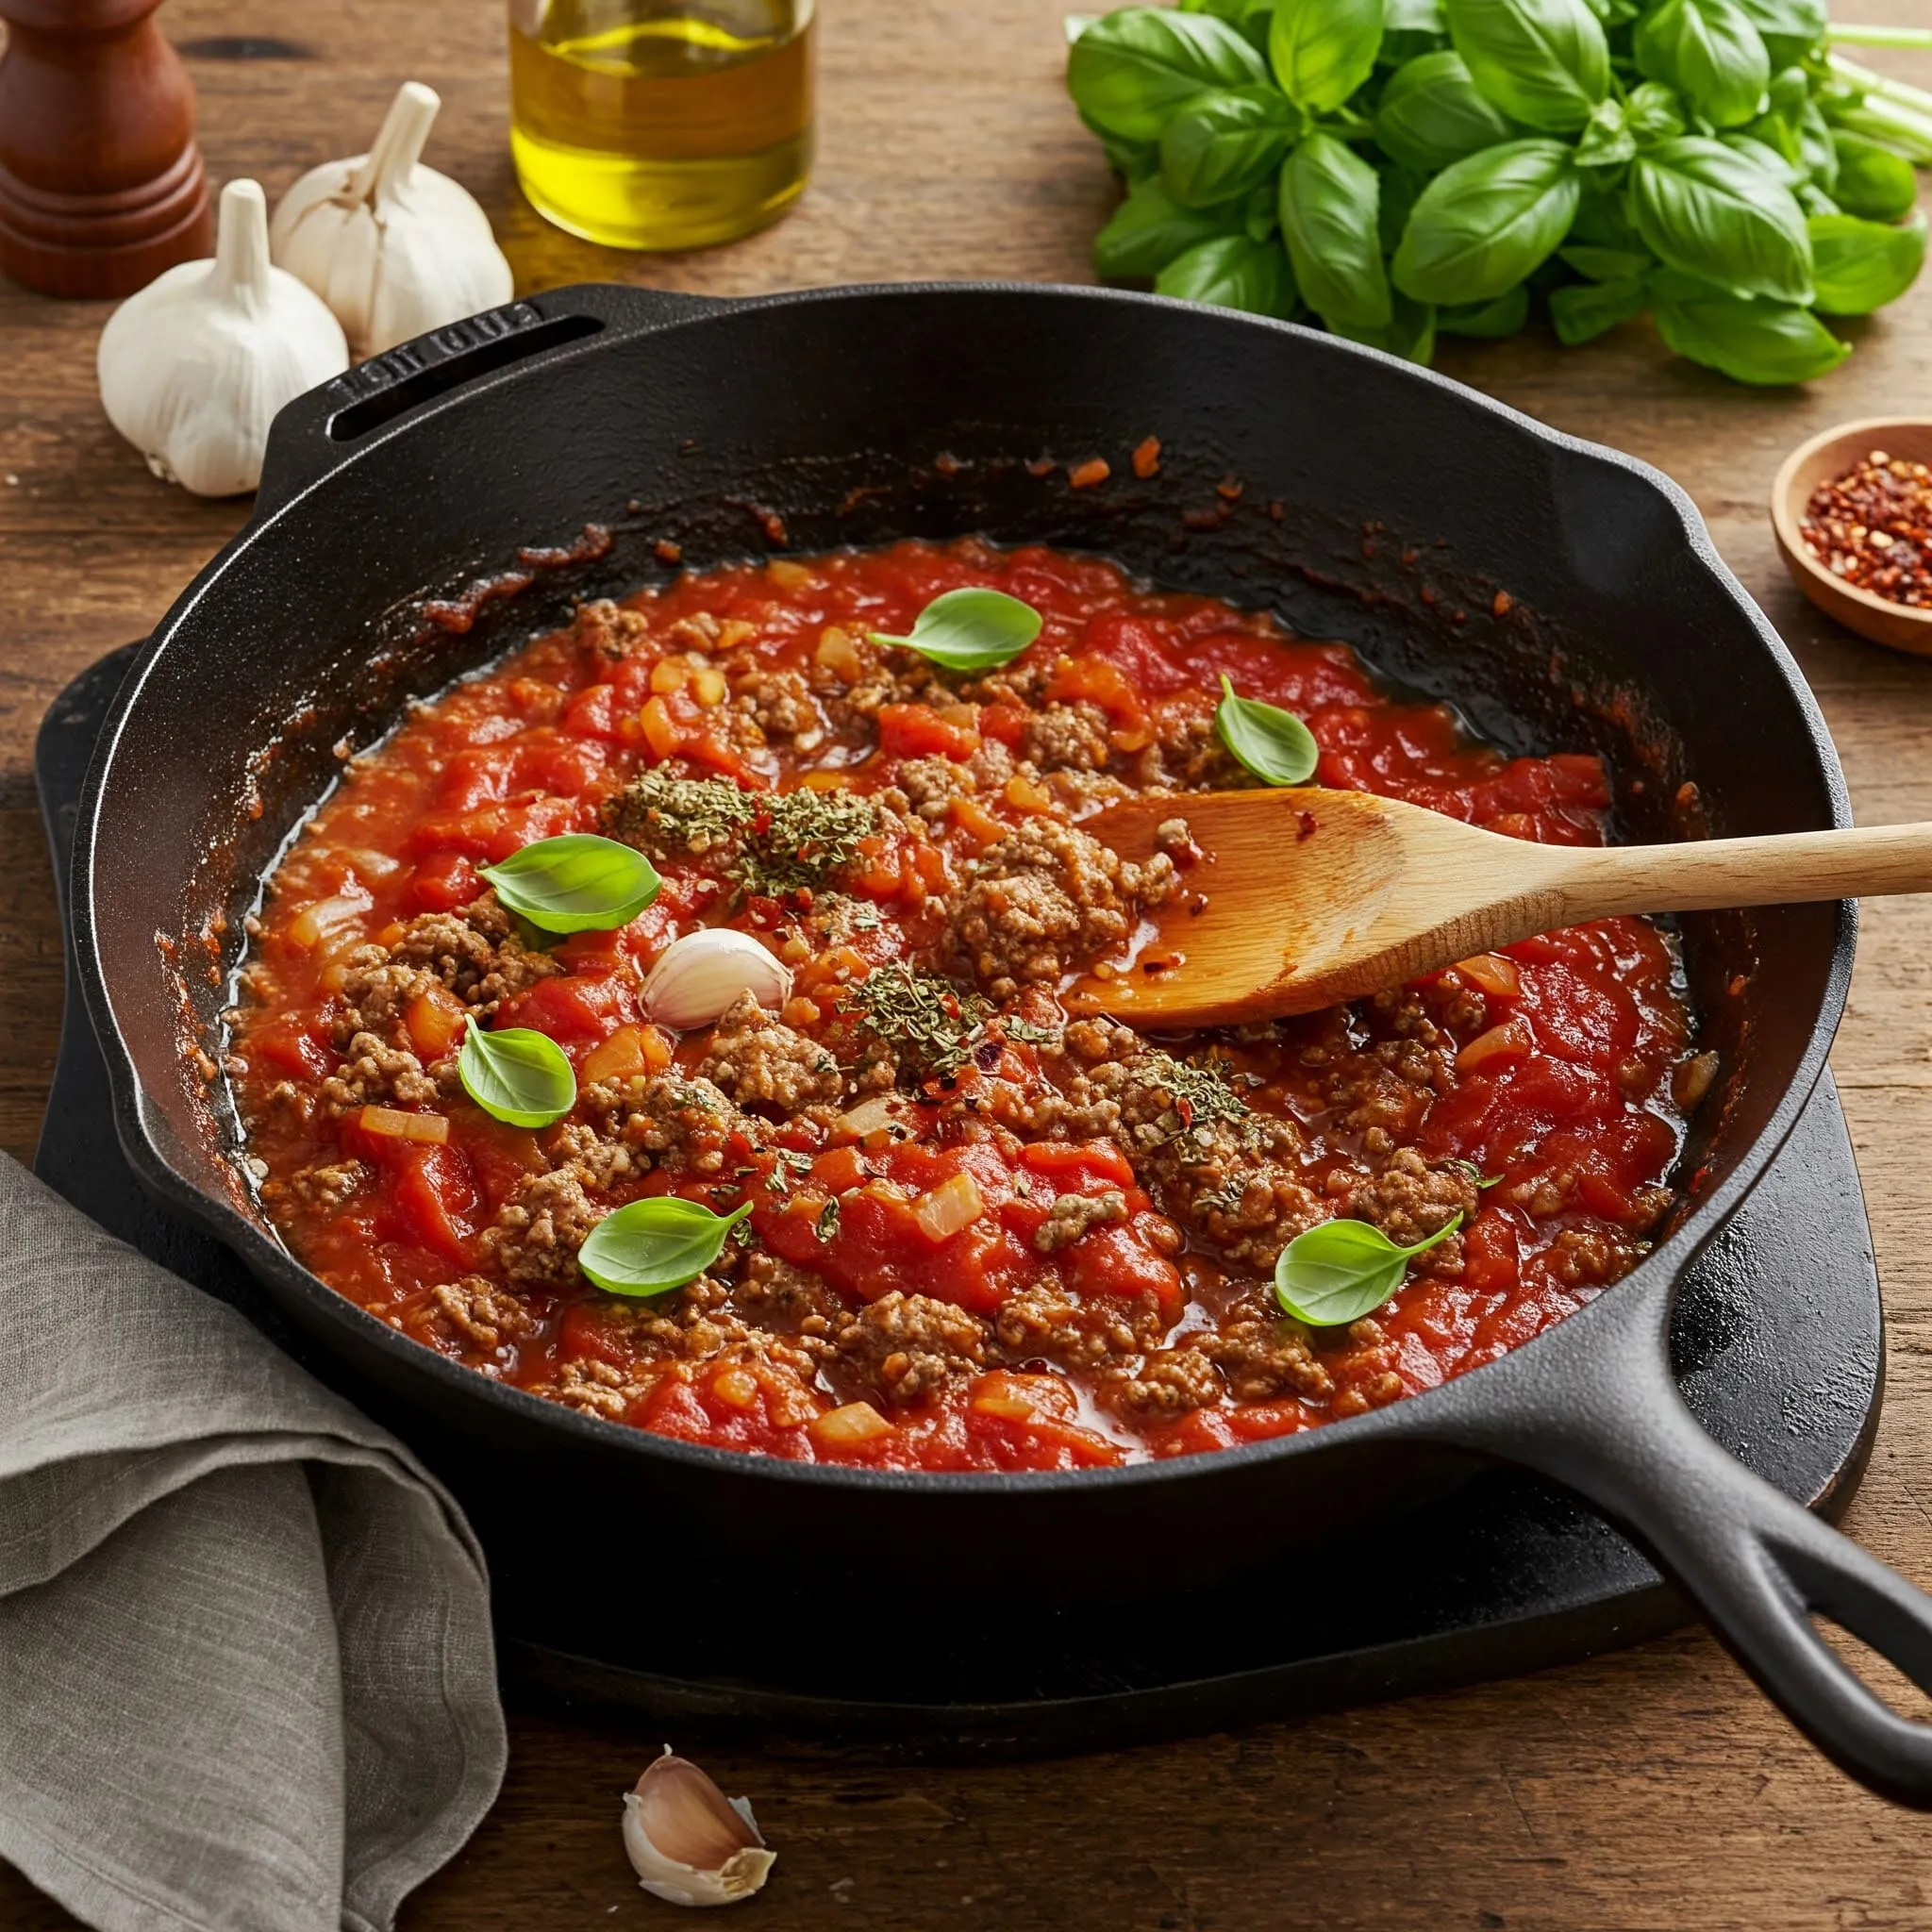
(993,1262)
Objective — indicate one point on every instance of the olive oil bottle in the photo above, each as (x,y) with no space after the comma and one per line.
(661,124)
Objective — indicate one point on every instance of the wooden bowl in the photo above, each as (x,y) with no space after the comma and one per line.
(1901,627)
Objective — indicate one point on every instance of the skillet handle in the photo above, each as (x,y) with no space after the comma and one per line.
(320,431)
(1609,1424)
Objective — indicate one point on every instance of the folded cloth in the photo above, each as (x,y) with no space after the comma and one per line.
(247,1676)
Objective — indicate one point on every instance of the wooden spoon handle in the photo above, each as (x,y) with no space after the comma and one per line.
(1700,875)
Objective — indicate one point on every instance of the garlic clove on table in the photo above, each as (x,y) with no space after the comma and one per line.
(193,367)
(688,1842)
(392,247)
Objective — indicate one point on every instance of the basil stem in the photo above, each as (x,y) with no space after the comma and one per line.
(1340,1271)
(518,1075)
(652,1246)
(577,883)
(970,629)
(1271,743)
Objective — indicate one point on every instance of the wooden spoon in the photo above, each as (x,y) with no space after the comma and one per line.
(1305,898)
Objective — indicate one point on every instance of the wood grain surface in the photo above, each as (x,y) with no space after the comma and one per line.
(1647,1789)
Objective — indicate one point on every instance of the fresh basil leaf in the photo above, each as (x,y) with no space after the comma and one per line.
(1817,149)
(1873,181)
(1248,17)
(1545,63)
(974,628)
(1607,141)
(1764,343)
(1487,321)
(1323,50)
(1233,271)
(1653,114)
(1485,222)
(516,1075)
(577,883)
(1132,160)
(1430,113)
(1340,1270)
(1814,200)
(1414,17)
(1778,127)
(1220,146)
(1789,28)
(1606,264)
(1131,70)
(1259,220)
(1410,331)
(1603,221)
(1704,208)
(1859,266)
(1402,187)
(1271,743)
(1708,51)
(655,1245)
(1149,229)
(1329,205)
(1583,310)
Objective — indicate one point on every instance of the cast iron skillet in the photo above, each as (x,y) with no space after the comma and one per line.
(1376,502)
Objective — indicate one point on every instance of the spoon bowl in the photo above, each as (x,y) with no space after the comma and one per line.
(1898,627)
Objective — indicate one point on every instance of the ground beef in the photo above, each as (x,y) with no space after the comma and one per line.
(594,1387)
(608,630)
(1073,1215)
(1046,898)
(1189,756)
(331,1186)
(1264,1353)
(483,1310)
(376,992)
(477,953)
(780,703)
(1068,737)
(1169,1383)
(676,1122)
(790,1300)
(755,1057)
(376,1074)
(1410,1201)
(540,1227)
(1052,1323)
(598,1162)
(908,1346)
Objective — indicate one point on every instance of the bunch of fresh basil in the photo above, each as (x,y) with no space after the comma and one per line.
(1403,168)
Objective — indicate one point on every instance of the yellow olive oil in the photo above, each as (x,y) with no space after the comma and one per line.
(661,124)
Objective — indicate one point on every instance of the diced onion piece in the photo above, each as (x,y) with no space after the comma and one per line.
(1493,973)
(325,918)
(435,1019)
(789,575)
(707,685)
(668,675)
(393,1123)
(826,781)
(1023,795)
(880,1114)
(738,1388)
(661,728)
(1019,1398)
(615,1059)
(839,653)
(847,1427)
(1511,1040)
(370,864)
(950,1205)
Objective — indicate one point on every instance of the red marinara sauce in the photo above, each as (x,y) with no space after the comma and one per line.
(982,1237)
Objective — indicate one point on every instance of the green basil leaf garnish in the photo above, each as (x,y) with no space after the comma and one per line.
(970,629)
(1132,69)
(1323,50)
(1340,1271)
(518,1075)
(576,883)
(1430,113)
(1709,53)
(1711,212)
(1488,221)
(1273,745)
(1545,63)
(1329,201)
(652,1246)
(1859,266)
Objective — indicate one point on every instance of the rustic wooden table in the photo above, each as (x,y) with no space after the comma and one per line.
(1649,1789)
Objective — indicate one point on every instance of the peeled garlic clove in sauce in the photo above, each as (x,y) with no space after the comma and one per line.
(698,977)
(687,1841)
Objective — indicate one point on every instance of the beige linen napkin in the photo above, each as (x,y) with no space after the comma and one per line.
(247,1677)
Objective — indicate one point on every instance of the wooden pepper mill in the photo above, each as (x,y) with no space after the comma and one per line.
(101,183)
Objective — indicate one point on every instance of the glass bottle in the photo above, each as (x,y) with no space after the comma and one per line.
(661,124)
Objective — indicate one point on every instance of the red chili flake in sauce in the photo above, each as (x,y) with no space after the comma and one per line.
(1095,469)
(1147,458)
(1501,604)
(1872,527)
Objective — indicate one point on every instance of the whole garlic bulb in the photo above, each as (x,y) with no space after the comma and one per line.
(690,1843)
(697,978)
(392,247)
(193,368)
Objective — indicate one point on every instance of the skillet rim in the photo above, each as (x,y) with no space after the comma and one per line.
(1656,1277)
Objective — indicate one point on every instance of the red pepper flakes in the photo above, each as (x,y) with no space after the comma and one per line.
(1501,604)
(1084,475)
(667,552)
(1872,527)
(1147,458)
